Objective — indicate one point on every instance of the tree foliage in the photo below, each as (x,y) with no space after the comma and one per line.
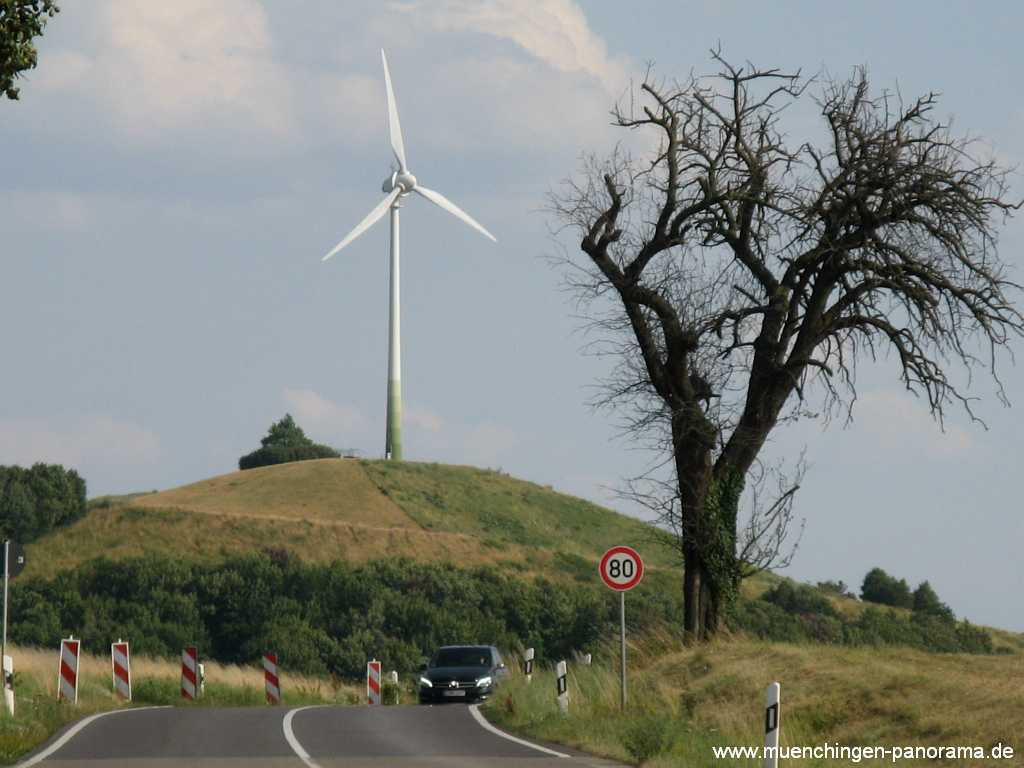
(285,441)
(799,613)
(880,587)
(332,618)
(320,619)
(21,21)
(738,275)
(34,501)
(926,601)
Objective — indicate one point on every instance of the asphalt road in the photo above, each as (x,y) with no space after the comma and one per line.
(306,737)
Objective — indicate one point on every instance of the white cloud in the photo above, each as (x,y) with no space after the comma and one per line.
(894,421)
(161,69)
(424,418)
(555,32)
(549,90)
(212,73)
(45,210)
(317,414)
(427,435)
(91,443)
(62,69)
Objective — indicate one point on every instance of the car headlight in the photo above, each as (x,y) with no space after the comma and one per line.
(483,682)
(426,682)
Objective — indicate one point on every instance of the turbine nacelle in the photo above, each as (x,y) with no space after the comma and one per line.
(400,183)
(399,180)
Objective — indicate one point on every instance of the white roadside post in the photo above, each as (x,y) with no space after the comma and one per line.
(528,664)
(621,569)
(397,693)
(562,687)
(771,727)
(14,561)
(8,685)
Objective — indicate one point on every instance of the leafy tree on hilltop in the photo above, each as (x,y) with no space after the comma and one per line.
(285,442)
(880,587)
(21,21)
(927,601)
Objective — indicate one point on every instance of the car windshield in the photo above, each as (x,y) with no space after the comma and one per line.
(462,657)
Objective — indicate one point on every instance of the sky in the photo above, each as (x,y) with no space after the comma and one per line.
(173,173)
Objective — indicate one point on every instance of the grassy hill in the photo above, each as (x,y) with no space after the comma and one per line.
(356,511)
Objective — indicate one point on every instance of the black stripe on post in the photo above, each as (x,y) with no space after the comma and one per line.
(771,718)
(561,685)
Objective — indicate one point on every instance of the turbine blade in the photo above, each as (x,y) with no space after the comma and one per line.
(443,202)
(366,223)
(394,126)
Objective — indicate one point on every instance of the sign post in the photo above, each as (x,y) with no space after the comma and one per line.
(621,569)
(14,561)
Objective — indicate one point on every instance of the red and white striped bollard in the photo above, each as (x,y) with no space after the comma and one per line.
(67,680)
(189,672)
(270,681)
(122,669)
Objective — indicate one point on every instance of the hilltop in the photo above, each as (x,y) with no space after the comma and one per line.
(357,511)
(364,512)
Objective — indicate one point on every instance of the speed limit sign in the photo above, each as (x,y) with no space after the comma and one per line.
(621,568)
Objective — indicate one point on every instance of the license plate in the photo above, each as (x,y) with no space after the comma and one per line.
(454,693)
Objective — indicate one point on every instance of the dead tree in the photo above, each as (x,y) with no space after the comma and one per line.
(738,277)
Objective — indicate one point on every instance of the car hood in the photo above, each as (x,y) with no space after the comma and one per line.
(458,673)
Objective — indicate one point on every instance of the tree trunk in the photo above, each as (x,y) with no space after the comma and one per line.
(694,441)
(701,600)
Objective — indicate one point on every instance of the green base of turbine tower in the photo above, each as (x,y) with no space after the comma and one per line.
(393,447)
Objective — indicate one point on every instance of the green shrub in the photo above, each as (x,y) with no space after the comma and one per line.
(766,621)
(927,601)
(319,619)
(880,587)
(647,737)
(390,693)
(799,598)
(285,442)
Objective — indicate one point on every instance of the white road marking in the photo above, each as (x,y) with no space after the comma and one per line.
(289,736)
(73,731)
(473,710)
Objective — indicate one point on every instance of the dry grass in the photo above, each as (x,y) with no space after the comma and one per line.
(713,695)
(120,532)
(325,490)
(41,666)
(332,509)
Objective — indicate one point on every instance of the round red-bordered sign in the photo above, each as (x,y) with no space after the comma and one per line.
(621,568)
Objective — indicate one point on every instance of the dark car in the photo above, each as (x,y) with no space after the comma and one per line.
(461,673)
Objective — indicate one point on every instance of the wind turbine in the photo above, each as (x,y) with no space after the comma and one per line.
(397,186)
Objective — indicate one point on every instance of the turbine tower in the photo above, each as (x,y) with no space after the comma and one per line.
(397,186)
